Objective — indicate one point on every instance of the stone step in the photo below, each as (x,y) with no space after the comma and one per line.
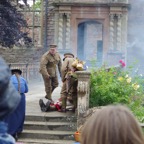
(47,134)
(39,141)
(51,118)
(37,125)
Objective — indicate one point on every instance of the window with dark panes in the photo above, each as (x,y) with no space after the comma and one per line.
(34,17)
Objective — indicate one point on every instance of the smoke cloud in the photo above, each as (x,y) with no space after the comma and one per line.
(135,46)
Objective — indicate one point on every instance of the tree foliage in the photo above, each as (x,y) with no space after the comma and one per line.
(11,24)
(37,5)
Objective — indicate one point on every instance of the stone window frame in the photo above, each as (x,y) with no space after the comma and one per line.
(37,42)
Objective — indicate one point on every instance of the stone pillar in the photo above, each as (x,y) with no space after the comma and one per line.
(119,32)
(83,95)
(56,32)
(124,34)
(68,31)
(111,32)
(60,32)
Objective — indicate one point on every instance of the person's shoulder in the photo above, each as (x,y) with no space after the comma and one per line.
(13,76)
(45,54)
(57,53)
(22,78)
(70,59)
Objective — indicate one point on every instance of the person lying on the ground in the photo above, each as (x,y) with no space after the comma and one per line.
(69,87)
(56,106)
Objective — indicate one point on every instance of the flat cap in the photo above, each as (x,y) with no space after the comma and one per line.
(52,45)
(67,54)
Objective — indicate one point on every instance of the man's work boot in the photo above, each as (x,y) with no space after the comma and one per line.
(42,105)
(49,99)
(48,105)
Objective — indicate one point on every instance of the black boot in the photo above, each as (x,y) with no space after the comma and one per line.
(42,105)
(49,99)
(48,105)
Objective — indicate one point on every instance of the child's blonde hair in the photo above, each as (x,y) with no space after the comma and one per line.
(113,124)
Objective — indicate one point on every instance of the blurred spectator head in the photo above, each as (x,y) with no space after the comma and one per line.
(113,124)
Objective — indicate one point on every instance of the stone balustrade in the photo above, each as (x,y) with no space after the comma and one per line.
(83,95)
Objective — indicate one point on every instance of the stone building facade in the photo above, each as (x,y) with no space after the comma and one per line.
(94,30)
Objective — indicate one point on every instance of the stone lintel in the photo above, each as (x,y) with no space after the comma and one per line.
(92,4)
(64,8)
(115,9)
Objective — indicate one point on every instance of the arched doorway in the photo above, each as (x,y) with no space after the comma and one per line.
(90,42)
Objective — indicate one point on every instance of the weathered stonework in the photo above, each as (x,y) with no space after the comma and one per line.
(93,1)
(26,55)
(83,95)
(101,11)
(111,14)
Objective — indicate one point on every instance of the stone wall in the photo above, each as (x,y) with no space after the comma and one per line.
(51,22)
(93,1)
(135,33)
(26,55)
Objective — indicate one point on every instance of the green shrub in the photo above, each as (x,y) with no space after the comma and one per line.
(114,86)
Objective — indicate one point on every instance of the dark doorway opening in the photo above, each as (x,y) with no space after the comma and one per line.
(90,43)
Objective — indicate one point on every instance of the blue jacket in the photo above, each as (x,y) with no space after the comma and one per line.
(5,138)
(23,84)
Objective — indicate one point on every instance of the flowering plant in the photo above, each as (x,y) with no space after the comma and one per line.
(116,86)
(122,63)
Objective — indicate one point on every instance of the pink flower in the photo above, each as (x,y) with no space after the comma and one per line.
(122,63)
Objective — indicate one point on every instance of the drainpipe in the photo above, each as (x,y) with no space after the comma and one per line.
(46,21)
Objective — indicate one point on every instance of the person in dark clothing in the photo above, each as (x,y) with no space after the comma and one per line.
(9,100)
(16,119)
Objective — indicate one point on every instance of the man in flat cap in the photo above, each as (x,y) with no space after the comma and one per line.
(69,88)
(48,68)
